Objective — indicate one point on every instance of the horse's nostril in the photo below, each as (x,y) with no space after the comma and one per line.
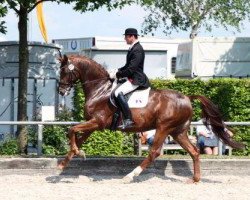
(61,91)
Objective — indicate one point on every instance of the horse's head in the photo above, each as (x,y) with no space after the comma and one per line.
(69,74)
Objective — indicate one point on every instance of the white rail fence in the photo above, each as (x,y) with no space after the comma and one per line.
(40,125)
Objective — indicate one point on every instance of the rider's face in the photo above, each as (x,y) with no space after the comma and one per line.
(129,39)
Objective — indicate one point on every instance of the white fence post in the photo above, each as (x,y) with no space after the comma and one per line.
(220,148)
(40,140)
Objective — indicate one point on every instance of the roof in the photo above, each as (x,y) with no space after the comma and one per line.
(114,43)
(30,43)
(42,59)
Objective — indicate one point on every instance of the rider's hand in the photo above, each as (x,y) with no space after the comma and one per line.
(112,74)
(118,75)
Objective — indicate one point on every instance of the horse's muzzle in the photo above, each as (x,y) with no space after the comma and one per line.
(64,91)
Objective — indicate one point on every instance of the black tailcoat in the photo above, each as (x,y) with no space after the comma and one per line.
(133,68)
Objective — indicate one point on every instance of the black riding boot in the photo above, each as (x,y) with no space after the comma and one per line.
(125,111)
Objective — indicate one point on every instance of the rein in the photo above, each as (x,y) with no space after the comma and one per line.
(85,83)
(97,80)
(73,71)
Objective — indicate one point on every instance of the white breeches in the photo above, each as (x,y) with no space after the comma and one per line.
(126,88)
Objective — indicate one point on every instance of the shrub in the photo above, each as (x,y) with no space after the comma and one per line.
(9,147)
(104,143)
(55,141)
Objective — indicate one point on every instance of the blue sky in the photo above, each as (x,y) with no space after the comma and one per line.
(63,22)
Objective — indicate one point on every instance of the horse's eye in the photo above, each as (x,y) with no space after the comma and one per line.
(63,69)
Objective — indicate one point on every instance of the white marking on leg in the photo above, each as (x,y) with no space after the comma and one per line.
(135,172)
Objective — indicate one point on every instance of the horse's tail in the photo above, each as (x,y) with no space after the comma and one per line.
(212,116)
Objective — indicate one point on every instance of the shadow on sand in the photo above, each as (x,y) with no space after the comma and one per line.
(106,169)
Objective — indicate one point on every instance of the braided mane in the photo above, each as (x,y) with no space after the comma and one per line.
(89,62)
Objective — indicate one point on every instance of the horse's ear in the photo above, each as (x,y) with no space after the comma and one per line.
(65,58)
(60,59)
(60,54)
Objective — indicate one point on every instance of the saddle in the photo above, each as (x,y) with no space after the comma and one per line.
(136,99)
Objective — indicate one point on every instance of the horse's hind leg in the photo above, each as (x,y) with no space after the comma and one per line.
(153,154)
(185,143)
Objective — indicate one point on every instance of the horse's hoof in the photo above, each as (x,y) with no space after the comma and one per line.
(60,166)
(82,154)
(127,179)
(191,181)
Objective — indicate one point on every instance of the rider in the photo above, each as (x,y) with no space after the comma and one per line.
(133,71)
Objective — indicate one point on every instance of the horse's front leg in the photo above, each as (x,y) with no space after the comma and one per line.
(79,141)
(153,154)
(87,127)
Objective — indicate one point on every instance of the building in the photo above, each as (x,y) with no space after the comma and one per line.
(110,52)
(214,57)
(43,74)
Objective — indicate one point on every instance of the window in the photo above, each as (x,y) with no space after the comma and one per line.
(173,65)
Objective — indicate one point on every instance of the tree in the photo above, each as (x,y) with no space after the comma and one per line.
(3,12)
(194,14)
(22,8)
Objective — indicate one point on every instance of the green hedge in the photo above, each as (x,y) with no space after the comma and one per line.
(231,95)
(9,147)
(109,143)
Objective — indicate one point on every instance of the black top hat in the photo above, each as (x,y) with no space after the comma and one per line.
(131,31)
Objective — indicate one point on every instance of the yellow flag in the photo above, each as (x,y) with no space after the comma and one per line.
(40,18)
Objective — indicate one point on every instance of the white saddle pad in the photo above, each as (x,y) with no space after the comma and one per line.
(139,98)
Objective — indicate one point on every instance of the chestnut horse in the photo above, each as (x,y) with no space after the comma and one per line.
(167,111)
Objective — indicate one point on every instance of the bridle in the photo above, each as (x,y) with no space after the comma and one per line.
(72,73)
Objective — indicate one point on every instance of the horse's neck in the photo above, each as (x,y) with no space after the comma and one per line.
(95,86)
(94,80)
(98,91)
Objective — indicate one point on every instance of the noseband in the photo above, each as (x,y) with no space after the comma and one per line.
(71,73)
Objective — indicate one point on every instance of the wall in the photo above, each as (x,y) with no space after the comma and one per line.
(42,82)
